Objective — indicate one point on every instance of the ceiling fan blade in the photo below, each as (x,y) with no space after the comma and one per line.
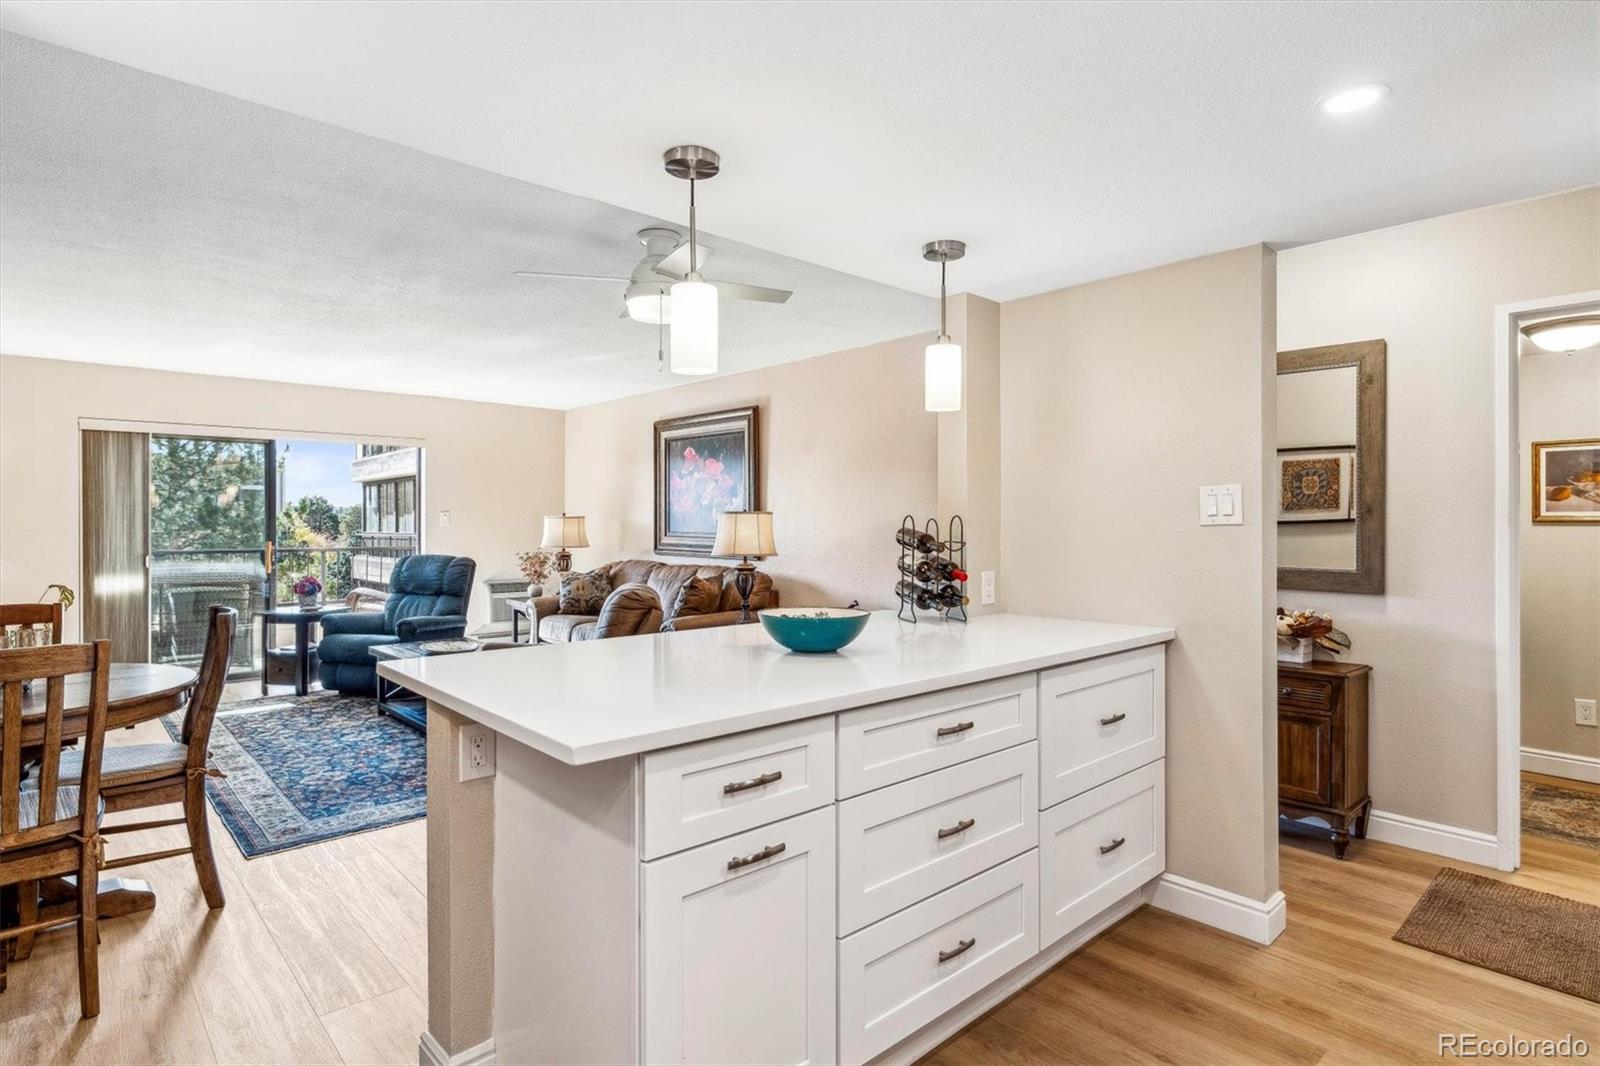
(733,290)
(570,277)
(676,264)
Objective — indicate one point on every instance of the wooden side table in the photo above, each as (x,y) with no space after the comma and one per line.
(304,620)
(1322,746)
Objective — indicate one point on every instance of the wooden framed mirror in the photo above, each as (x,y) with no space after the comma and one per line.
(1330,475)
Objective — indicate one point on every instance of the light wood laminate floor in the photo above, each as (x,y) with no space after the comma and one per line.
(320,957)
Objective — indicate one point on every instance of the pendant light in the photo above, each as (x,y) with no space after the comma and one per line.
(694,300)
(941,371)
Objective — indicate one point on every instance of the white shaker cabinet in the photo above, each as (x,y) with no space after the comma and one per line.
(739,948)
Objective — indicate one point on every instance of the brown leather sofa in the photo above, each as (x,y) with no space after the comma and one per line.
(643,592)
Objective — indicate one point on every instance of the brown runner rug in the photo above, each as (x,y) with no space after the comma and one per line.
(1561,812)
(1532,936)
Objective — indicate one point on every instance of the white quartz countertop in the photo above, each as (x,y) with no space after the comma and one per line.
(602,699)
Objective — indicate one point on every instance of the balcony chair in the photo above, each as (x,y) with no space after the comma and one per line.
(428,597)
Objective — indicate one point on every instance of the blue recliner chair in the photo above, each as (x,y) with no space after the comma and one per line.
(427,601)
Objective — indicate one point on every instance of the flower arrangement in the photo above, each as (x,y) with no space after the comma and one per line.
(308,589)
(1300,632)
(535,566)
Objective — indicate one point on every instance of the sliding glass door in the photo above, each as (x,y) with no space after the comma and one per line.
(213,510)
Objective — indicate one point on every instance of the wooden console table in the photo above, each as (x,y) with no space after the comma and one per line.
(1322,746)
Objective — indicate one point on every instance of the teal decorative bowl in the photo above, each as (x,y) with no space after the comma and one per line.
(813,629)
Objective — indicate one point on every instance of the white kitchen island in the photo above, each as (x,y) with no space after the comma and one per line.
(709,849)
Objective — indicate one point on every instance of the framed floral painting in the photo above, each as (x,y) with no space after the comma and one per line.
(1566,480)
(704,465)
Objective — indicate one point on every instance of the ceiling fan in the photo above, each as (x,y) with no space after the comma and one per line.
(647,296)
(668,277)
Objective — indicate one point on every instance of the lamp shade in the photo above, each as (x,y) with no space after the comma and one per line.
(941,376)
(744,533)
(694,327)
(564,531)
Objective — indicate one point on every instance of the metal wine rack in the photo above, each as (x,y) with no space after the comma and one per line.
(952,551)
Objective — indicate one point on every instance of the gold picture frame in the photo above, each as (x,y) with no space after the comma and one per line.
(1565,485)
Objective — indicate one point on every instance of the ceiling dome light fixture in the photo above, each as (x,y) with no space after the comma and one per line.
(941,370)
(1355,98)
(1571,334)
(694,300)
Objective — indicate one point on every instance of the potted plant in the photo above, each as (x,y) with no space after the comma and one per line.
(535,566)
(309,590)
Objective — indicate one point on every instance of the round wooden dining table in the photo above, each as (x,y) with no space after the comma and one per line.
(136,692)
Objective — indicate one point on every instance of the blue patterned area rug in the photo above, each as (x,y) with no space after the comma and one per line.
(303,769)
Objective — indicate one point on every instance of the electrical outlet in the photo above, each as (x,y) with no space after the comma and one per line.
(477,752)
(986,586)
(1583,712)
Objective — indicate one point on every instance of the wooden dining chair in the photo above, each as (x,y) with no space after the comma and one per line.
(32,614)
(53,830)
(135,776)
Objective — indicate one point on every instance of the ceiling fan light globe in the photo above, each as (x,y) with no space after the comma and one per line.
(694,327)
(653,308)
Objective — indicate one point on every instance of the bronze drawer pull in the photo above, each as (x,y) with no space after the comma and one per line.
(961,948)
(755,782)
(952,730)
(1113,720)
(960,827)
(1286,692)
(765,853)
(1107,849)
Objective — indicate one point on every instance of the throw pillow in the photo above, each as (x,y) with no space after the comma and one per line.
(584,593)
(698,595)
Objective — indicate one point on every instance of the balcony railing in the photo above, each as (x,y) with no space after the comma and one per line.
(185,584)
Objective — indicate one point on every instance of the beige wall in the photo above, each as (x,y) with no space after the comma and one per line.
(495,468)
(1430,289)
(846,450)
(1120,399)
(969,441)
(1559,397)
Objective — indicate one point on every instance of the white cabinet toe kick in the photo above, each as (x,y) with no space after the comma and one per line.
(848,887)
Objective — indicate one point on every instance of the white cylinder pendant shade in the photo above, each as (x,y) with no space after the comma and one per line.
(694,327)
(744,533)
(941,376)
(564,531)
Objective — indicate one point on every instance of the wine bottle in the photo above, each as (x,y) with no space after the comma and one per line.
(919,596)
(948,595)
(916,540)
(932,570)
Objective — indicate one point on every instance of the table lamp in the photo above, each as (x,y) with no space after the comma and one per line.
(563,531)
(744,534)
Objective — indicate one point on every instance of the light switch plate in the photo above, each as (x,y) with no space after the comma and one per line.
(444,518)
(1221,505)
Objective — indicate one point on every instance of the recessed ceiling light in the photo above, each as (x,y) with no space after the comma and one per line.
(1353,99)
(1565,334)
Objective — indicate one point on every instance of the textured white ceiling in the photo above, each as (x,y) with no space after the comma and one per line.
(151,223)
(1063,141)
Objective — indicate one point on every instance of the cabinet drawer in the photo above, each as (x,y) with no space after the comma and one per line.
(895,741)
(904,972)
(1306,693)
(738,964)
(700,792)
(905,842)
(1096,848)
(1099,719)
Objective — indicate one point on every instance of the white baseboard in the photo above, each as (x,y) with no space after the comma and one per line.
(1560,764)
(430,1053)
(1453,842)
(1221,909)
(936,1032)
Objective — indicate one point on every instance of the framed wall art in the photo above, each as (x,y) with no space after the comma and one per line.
(1566,480)
(704,465)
